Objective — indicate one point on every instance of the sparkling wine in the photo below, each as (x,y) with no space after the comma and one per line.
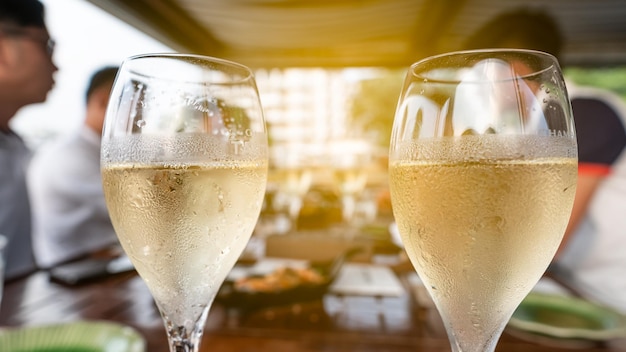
(184,226)
(480,232)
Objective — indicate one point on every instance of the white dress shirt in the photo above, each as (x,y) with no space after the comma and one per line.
(69,212)
(594,261)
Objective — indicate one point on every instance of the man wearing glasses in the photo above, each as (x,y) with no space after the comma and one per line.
(26,77)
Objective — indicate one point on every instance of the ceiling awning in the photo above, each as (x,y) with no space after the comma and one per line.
(357,33)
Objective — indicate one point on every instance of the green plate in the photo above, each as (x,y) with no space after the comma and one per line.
(568,318)
(93,336)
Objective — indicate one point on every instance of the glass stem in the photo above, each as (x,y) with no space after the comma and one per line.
(477,342)
(185,338)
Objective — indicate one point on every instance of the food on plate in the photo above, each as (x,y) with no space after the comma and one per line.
(280,279)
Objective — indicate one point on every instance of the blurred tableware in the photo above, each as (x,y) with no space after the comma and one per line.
(75,336)
(568,317)
(90,269)
(350,161)
(278,282)
(567,320)
(292,175)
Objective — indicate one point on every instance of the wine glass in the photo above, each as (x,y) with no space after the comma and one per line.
(482,167)
(350,158)
(293,174)
(184,165)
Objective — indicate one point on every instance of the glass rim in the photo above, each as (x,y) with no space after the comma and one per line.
(419,73)
(249,75)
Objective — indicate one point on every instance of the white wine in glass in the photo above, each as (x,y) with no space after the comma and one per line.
(482,167)
(184,165)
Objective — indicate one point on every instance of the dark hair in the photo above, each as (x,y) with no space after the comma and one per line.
(22,13)
(523,28)
(100,78)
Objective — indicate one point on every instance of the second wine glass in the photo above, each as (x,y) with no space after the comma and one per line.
(184,165)
(483,166)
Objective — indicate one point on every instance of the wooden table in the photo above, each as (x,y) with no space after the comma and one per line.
(334,323)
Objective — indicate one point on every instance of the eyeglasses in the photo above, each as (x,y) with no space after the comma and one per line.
(47,42)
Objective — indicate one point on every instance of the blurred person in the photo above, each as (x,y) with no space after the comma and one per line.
(26,77)
(591,260)
(70,216)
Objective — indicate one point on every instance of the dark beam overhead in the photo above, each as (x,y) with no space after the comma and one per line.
(165,21)
(352,33)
